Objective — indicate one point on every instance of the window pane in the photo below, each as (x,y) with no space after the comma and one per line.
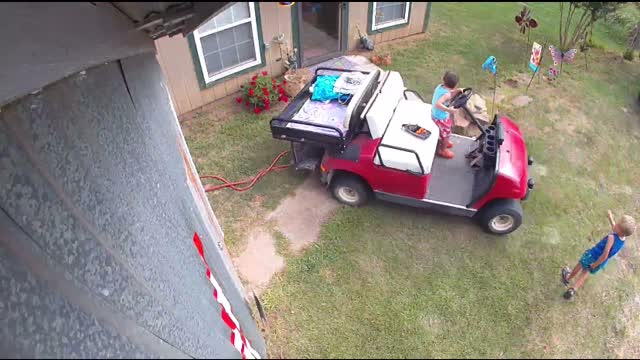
(389,11)
(224,18)
(246,52)
(209,25)
(240,11)
(209,44)
(243,33)
(235,13)
(229,57)
(226,49)
(225,38)
(213,63)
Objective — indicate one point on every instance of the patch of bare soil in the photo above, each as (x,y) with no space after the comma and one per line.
(627,342)
(511,83)
(299,218)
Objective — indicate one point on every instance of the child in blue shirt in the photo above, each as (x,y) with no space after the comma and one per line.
(442,114)
(595,259)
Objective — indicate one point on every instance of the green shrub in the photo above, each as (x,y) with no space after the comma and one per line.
(628,54)
(593,44)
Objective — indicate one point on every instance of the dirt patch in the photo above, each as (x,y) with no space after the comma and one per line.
(627,329)
(259,261)
(300,217)
(371,265)
(520,101)
(432,323)
(551,236)
(511,83)
(539,170)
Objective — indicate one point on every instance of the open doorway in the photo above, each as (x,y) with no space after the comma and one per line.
(320,29)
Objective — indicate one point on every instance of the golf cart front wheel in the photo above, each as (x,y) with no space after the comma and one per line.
(501,217)
(350,190)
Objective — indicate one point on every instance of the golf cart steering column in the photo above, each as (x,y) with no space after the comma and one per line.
(460,101)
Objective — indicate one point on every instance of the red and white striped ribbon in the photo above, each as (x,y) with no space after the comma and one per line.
(238,340)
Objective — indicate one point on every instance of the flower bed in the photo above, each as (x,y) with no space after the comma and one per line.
(261,92)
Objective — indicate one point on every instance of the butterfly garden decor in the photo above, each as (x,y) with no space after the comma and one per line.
(559,57)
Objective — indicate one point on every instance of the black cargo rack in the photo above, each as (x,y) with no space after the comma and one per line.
(338,137)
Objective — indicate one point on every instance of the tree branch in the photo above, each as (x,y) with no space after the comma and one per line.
(582,26)
(567,26)
(561,16)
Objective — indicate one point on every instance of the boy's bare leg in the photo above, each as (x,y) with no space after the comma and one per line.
(581,279)
(575,271)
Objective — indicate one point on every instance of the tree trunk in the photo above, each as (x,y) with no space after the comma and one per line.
(634,38)
(561,18)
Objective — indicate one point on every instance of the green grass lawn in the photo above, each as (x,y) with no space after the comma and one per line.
(237,147)
(391,281)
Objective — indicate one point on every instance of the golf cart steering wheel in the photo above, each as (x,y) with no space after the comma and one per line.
(461,99)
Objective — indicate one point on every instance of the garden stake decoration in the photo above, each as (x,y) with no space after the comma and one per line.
(491,65)
(526,22)
(535,61)
(560,57)
(553,73)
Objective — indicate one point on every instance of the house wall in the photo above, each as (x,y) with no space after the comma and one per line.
(177,64)
(99,199)
(359,17)
(175,57)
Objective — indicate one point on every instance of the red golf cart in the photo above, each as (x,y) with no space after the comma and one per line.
(363,151)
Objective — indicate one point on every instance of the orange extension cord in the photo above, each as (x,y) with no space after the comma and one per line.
(252,182)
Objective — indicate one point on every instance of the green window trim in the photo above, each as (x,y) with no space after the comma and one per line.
(370,29)
(427,18)
(198,65)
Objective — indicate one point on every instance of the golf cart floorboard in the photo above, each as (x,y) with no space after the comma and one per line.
(452,180)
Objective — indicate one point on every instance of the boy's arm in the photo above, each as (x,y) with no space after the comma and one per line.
(610,216)
(457,91)
(605,253)
(441,101)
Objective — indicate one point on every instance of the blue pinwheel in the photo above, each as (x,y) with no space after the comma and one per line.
(491,65)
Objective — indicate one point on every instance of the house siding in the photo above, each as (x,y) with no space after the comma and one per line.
(175,58)
(359,17)
(174,55)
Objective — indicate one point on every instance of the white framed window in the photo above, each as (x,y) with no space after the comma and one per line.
(229,42)
(387,14)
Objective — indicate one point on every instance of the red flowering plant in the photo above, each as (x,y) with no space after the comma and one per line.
(261,92)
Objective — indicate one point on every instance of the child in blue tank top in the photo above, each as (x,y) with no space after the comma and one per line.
(442,114)
(595,259)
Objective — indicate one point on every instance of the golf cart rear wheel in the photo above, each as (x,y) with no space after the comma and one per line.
(501,217)
(350,190)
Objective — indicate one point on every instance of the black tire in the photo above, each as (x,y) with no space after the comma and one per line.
(501,217)
(350,190)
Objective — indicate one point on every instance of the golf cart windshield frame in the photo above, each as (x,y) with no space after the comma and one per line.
(494,174)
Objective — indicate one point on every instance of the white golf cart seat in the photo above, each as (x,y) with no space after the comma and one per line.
(383,103)
(355,100)
(408,112)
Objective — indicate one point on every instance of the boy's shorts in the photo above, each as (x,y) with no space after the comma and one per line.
(586,260)
(444,126)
